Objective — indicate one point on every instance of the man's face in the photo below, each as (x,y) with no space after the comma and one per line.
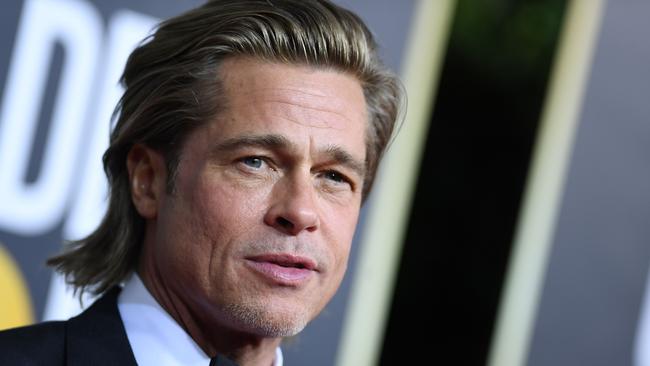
(258,229)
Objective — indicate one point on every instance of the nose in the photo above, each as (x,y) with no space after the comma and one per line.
(293,207)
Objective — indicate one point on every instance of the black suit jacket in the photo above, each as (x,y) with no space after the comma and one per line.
(94,337)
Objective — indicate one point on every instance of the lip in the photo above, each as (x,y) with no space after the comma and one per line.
(283,269)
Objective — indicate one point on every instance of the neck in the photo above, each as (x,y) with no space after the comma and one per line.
(210,333)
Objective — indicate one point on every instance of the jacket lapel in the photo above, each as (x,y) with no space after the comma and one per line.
(97,336)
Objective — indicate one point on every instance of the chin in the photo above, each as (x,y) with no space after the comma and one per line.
(266,321)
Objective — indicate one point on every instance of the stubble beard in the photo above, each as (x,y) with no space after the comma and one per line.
(259,319)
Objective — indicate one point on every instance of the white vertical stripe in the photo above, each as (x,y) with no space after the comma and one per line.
(543,195)
(381,245)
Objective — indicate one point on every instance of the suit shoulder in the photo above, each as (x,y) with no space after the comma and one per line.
(39,344)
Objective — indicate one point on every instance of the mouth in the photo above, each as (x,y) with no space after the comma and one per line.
(283,269)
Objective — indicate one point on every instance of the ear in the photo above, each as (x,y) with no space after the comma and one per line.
(147,178)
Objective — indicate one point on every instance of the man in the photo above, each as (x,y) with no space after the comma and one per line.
(248,137)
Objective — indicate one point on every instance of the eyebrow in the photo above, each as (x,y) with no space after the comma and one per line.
(260,141)
(279,142)
(344,158)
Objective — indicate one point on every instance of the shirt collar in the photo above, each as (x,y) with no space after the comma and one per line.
(155,337)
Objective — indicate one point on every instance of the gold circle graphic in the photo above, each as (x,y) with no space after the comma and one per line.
(16,305)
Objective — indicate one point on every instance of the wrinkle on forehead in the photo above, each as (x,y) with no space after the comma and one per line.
(307,109)
(309,116)
(325,101)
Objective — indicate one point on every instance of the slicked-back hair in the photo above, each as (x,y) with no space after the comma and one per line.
(172,86)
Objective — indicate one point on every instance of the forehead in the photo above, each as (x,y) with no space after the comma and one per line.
(261,95)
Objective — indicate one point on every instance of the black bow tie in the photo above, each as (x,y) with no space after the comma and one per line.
(219,360)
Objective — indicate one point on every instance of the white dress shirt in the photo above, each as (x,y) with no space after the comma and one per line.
(155,337)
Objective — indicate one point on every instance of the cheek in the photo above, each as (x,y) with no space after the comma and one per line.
(222,202)
(339,246)
(223,213)
(342,228)
(202,229)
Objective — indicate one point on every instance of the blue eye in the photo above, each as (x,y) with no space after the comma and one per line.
(253,162)
(335,176)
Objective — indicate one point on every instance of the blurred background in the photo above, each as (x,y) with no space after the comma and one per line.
(510,222)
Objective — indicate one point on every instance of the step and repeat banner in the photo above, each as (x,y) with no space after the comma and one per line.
(578,291)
